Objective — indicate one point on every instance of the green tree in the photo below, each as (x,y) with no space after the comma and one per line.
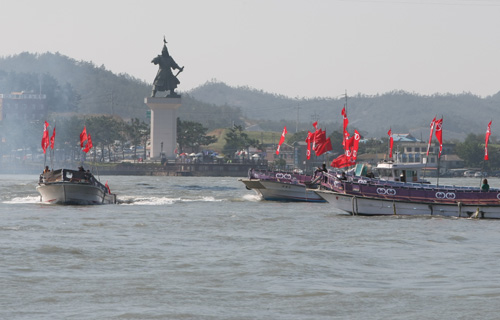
(138,133)
(471,150)
(104,131)
(192,135)
(236,140)
(297,137)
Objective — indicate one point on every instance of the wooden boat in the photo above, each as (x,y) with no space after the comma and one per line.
(362,195)
(282,186)
(74,187)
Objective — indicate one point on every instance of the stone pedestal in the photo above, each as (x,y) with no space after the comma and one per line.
(163,125)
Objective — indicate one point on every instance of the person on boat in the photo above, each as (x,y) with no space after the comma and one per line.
(485,186)
(46,169)
(80,168)
(402,177)
(342,176)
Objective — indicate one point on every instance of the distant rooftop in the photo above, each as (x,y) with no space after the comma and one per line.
(404,137)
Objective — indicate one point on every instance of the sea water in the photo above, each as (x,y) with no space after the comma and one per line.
(207,248)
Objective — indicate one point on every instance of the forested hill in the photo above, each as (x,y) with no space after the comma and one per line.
(81,87)
(403,112)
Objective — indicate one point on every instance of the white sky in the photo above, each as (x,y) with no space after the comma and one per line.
(296,48)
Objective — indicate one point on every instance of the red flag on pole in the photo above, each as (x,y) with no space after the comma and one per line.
(89,144)
(45,137)
(341,161)
(53,138)
(308,140)
(433,122)
(282,139)
(324,147)
(319,139)
(355,145)
(391,142)
(315,125)
(83,136)
(346,122)
(488,133)
(439,135)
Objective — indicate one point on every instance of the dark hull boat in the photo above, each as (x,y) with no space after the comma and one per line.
(72,187)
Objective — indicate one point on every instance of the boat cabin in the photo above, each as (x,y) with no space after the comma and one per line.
(393,171)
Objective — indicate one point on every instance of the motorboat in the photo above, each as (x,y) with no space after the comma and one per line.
(359,194)
(282,186)
(73,187)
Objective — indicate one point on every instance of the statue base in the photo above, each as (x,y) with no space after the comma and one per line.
(163,126)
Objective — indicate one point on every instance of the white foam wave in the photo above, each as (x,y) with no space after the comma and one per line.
(251,197)
(28,199)
(203,199)
(156,201)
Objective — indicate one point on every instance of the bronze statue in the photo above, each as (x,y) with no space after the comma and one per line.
(165,80)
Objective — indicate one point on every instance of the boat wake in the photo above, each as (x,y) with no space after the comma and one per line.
(251,197)
(23,200)
(157,201)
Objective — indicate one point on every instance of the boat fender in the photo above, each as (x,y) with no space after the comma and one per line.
(248,188)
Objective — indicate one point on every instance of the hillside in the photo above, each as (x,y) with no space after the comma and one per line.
(83,88)
(371,115)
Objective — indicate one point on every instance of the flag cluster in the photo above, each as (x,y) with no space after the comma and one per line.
(84,137)
(351,145)
(46,141)
(320,143)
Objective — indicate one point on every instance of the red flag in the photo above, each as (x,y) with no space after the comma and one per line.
(89,144)
(341,161)
(346,122)
(324,147)
(391,142)
(488,133)
(308,140)
(319,139)
(355,145)
(282,139)
(83,136)
(45,137)
(348,145)
(439,135)
(430,135)
(53,138)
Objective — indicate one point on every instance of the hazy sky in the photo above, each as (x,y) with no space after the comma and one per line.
(292,47)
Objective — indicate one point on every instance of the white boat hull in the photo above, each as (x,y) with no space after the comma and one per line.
(74,193)
(279,191)
(372,206)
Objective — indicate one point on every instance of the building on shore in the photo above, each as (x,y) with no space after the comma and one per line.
(23,106)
